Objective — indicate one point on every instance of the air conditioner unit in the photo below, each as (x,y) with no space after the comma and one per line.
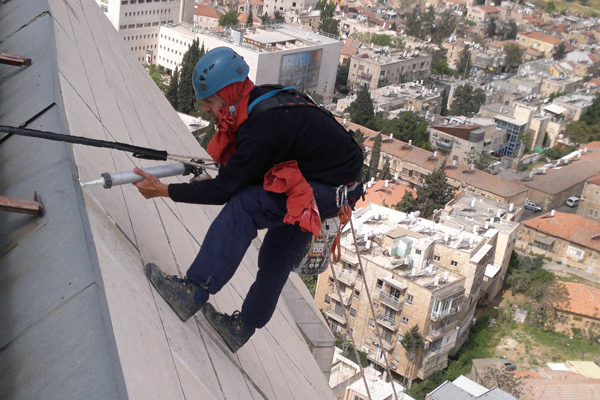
(426,345)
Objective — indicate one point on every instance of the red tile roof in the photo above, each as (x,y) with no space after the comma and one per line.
(596,144)
(542,37)
(206,11)
(595,179)
(569,227)
(583,300)
(379,194)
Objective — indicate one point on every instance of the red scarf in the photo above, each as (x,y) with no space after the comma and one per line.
(286,178)
(222,145)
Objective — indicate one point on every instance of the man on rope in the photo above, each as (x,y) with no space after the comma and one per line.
(300,147)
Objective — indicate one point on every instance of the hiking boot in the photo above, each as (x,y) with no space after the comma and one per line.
(231,328)
(184,297)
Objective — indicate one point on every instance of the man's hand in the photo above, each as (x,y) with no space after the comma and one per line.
(150,187)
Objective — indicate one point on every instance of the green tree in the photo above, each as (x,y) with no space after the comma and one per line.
(428,22)
(481,161)
(413,26)
(186,97)
(265,18)
(250,18)
(385,173)
(173,89)
(511,31)
(328,22)
(550,7)
(407,204)
(559,53)
(361,110)
(341,77)
(490,32)
(467,100)
(439,64)
(464,62)
(231,18)
(373,170)
(412,343)
(444,111)
(513,55)
(278,17)
(157,72)
(406,126)
(435,192)
(444,27)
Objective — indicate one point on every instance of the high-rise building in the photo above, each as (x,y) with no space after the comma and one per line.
(138,22)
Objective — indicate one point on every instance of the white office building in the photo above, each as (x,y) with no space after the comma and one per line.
(139,21)
(278,53)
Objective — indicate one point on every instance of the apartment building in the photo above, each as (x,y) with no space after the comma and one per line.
(206,16)
(483,14)
(409,96)
(139,21)
(575,104)
(559,85)
(377,69)
(270,6)
(277,53)
(568,238)
(498,222)
(455,141)
(418,272)
(413,164)
(589,207)
(541,42)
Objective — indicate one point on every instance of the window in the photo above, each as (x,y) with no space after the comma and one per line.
(409,299)
(131,26)
(405,320)
(359,273)
(400,337)
(379,283)
(327,299)
(122,26)
(386,335)
(454,263)
(436,258)
(353,312)
(356,294)
(417,251)
(596,194)
(330,280)
(390,313)
(371,323)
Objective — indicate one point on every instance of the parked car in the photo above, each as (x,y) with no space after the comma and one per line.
(573,201)
(510,365)
(530,205)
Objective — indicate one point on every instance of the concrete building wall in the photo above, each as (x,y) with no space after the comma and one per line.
(589,207)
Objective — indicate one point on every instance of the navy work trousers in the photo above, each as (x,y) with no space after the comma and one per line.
(231,233)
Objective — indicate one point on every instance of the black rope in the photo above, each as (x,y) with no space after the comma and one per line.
(138,152)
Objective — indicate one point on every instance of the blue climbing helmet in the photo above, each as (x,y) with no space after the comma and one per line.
(216,69)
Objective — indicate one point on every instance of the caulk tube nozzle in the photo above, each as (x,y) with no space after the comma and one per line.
(121,178)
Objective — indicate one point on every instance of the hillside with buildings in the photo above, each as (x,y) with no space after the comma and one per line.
(473,259)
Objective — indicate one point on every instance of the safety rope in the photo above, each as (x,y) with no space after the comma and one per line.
(345,216)
(138,152)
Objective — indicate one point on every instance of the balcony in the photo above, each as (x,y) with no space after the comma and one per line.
(387,321)
(345,300)
(443,145)
(438,316)
(345,276)
(389,346)
(436,352)
(363,74)
(438,333)
(330,312)
(391,301)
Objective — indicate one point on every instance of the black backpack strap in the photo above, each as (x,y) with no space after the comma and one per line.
(283,97)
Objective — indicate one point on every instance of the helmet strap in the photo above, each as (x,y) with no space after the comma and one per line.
(232,108)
